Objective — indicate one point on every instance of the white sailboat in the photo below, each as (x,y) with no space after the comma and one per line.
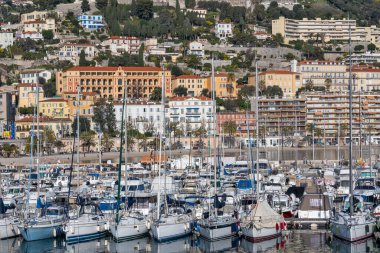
(352,224)
(130,225)
(262,223)
(174,222)
(216,226)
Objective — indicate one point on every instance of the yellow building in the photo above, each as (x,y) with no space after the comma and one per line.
(288,81)
(109,82)
(27,94)
(87,100)
(194,84)
(225,85)
(60,126)
(54,107)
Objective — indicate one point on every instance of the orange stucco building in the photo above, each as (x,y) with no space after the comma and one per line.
(109,82)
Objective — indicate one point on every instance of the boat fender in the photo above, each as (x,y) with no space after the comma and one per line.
(106,226)
(147,224)
(55,232)
(282,226)
(277,227)
(71,229)
(98,228)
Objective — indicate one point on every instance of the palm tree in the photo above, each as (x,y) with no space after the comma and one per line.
(286,132)
(230,128)
(59,145)
(230,85)
(328,83)
(309,85)
(87,140)
(318,132)
(48,139)
(10,149)
(107,142)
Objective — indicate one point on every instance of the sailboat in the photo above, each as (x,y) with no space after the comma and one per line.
(8,223)
(352,223)
(174,222)
(217,225)
(130,225)
(262,223)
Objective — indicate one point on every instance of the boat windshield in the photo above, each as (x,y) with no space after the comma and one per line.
(53,212)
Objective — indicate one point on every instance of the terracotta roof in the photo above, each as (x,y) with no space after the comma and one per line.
(26,85)
(31,71)
(366,70)
(78,45)
(35,22)
(186,98)
(53,100)
(122,38)
(278,72)
(43,119)
(318,61)
(188,77)
(81,68)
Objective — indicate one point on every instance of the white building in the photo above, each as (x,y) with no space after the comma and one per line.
(196,48)
(145,116)
(93,22)
(223,30)
(30,35)
(32,75)
(367,57)
(72,51)
(201,13)
(121,44)
(191,112)
(40,25)
(6,39)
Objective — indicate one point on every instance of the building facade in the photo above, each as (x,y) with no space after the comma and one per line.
(33,75)
(109,82)
(196,48)
(27,94)
(6,39)
(93,22)
(71,52)
(122,44)
(327,30)
(193,83)
(86,105)
(40,25)
(288,81)
(54,108)
(225,85)
(223,30)
(60,126)
(7,111)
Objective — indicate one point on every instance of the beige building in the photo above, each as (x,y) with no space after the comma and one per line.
(27,94)
(40,25)
(327,30)
(329,111)
(288,81)
(33,16)
(87,101)
(60,126)
(225,85)
(54,108)
(194,84)
(109,82)
(366,79)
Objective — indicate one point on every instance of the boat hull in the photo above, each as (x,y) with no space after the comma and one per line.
(128,231)
(8,229)
(352,233)
(82,232)
(34,233)
(260,235)
(166,232)
(217,232)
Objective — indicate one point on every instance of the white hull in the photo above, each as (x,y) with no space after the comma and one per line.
(170,231)
(216,233)
(8,228)
(85,231)
(128,231)
(353,232)
(258,235)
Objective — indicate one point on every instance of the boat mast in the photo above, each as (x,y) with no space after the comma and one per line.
(120,157)
(38,137)
(350,117)
(126,147)
(250,152)
(213,94)
(78,132)
(257,131)
(161,136)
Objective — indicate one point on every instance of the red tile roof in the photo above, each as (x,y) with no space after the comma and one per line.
(319,61)
(26,85)
(366,70)
(186,98)
(81,68)
(278,72)
(43,119)
(53,100)
(188,77)
(90,93)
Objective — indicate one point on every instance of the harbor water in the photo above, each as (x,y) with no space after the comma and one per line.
(297,241)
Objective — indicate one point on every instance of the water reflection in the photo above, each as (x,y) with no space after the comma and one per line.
(260,247)
(217,246)
(339,246)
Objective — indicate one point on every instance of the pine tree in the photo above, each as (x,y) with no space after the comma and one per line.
(82,59)
(141,55)
(85,6)
(133,8)
(177,8)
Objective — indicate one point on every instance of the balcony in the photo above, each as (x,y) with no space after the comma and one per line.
(193,113)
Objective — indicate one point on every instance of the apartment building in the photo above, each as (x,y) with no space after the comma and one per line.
(144,116)
(71,52)
(27,94)
(194,84)
(54,108)
(367,57)
(288,81)
(92,22)
(40,25)
(196,48)
(34,75)
(7,110)
(87,101)
(109,82)
(326,30)
(330,112)
(243,120)
(31,35)
(225,85)
(223,30)
(6,39)
(33,16)
(60,126)
(365,79)
(191,112)
(122,44)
